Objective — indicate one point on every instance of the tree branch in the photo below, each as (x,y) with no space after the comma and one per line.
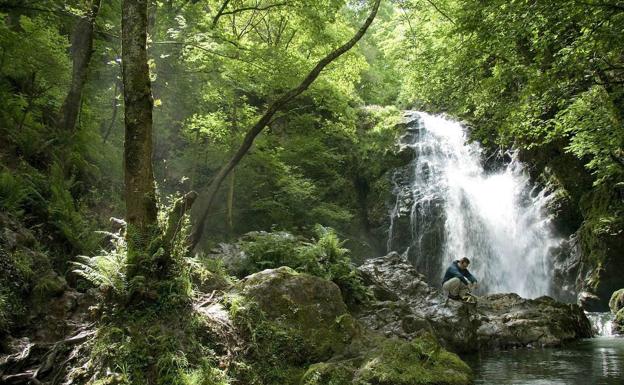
(266,7)
(440,11)
(257,128)
(213,52)
(174,222)
(215,20)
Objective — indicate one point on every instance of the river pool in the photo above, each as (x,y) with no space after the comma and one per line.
(595,361)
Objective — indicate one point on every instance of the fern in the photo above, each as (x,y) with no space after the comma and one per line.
(107,270)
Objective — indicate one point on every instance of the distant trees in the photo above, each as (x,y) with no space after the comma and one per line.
(532,74)
(141,206)
(81,51)
(273,107)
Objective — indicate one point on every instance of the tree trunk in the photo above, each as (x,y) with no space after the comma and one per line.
(207,200)
(140,196)
(113,119)
(81,49)
(230,206)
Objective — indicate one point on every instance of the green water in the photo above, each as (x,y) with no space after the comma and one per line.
(596,361)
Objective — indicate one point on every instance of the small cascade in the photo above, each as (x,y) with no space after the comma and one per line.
(447,207)
(602,323)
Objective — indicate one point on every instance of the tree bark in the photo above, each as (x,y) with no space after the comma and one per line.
(81,50)
(140,196)
(230,206)
(211,192)
(111,124)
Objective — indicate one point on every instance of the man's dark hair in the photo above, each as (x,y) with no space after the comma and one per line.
(466,260)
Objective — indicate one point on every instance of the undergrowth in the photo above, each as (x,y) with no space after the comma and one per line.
(324,257)
(275,354)
(155,340)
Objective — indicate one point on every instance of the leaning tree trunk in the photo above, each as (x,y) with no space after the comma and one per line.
(81,50)
(140,196)
(206,201)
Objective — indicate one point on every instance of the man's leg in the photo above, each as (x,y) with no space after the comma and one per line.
(452,288)
(463,290)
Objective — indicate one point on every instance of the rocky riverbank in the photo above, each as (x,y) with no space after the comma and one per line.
(406,304)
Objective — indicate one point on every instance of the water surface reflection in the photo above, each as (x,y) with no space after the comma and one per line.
(598,361)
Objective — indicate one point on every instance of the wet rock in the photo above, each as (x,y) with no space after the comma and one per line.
(590,301)
(617,301)
(393,362)
(497,321)
(317,341)
(307,306)
(616,304)
(566,268)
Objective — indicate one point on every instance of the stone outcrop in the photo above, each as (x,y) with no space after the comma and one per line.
(616,304)
(407,305)
(55,342)
(296,329)
(588,217)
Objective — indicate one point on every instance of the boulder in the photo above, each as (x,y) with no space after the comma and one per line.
(297,330)
(616,304)
(391,361)
(408,305)
(308,306)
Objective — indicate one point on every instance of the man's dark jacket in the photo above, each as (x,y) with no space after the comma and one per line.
(454,271)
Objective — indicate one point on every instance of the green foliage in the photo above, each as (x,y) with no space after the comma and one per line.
(396,364)
(522,74)
(271,250)
(393,361)
(14,192)
(67,215)
(27,280)
(595,132)
(325,258)
(47,286)
(156,346)
(276,353)
(5,313)
(108,270)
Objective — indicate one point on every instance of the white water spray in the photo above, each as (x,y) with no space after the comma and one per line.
(460,210)
(602,323)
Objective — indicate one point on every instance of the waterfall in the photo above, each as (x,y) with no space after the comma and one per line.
(602,323)
(447,207)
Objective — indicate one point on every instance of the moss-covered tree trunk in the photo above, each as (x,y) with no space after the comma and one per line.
(82,50)
(140,196)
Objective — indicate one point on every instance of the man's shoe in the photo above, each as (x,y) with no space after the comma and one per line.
(469,299)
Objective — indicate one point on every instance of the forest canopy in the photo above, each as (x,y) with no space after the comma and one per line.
(272,126)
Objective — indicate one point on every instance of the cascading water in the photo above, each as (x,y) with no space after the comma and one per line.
(602,323)
(448,207)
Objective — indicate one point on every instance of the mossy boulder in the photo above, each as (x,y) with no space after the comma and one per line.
(393,361)
(310,307)
(616,304)
(618,323)
(288,320)
(298,331)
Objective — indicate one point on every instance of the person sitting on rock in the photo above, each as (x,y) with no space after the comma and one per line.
(458,281)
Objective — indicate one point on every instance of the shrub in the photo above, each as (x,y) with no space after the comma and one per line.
(14,191)
(4,313)
(107,270)
(324,257)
